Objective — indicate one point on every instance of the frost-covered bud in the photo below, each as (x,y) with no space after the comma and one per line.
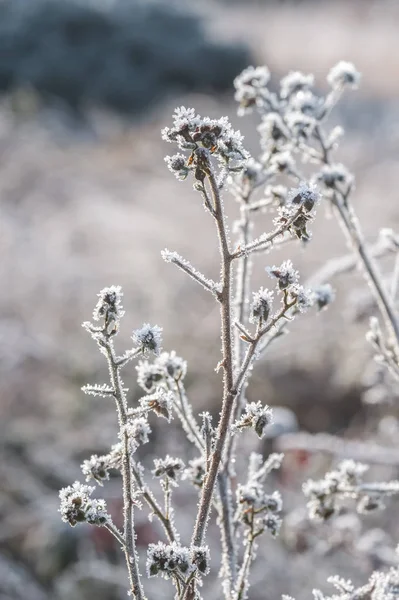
(305,195)
(196,471)
(256,417)
(282,162)
(299,123)
(177,165)
(306,102)
(200,558)
(272,523)
(368,504)
(138,430)
(77,506)
(295,82)
(274,502)
(323,295)
(331,175)
(109,308)
(273,128)
(321,496)
(344,73)
(161,402)
(249,87)
(285,274)
(97,468)
(304,298)
(167,559)
(175,367)
(170,467)
(350,472)
(149,375)
(261,305)
(96,513)
(148,338)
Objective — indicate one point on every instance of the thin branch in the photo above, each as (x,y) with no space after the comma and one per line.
(185,266)
(350,225)
(128,504)
(205,502)
(264,241)
(153,504)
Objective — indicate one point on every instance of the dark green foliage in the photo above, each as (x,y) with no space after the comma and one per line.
(125,55)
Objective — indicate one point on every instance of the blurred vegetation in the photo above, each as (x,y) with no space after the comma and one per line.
(124,55)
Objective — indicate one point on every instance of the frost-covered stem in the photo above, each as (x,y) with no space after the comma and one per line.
(350,225)
(395,280)
(227,364)
(187,417)
(242,282)
(153,504)
(128,505)
(253,346)
(116,533)
(263,241)
(242,582)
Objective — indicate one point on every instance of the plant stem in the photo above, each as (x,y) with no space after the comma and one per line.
(348,220)
(228,397)
(128,505)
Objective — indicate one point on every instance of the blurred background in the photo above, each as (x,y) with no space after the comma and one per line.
(87,202)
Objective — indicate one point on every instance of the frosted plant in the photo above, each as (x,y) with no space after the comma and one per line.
(212,155)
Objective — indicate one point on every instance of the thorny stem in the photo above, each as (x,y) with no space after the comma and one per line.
(153,504)
(349,223)
(128,505)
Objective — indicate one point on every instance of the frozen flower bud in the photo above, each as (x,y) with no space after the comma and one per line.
(304,298)
(195,472)
(256,417)
(282,162)
(149,375)
(331,175)
(96,513)
(323,295)
(200,558)
(177,165)
(109,308)
(148,338)
(272,523)
(261,305)
(306,102)
(77,506)
(97,468)
(305,195)
(368,504)
(170,467)
(274,502)
(174,366)
(285,274)
(138,430)
(273,128)
(161,402)
(300,124)
(344,73)
(167,559)
(295,82)
(249,87)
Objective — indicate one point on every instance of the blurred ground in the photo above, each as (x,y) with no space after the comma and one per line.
(87,207)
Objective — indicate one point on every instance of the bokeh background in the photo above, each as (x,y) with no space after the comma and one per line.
(86,201)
